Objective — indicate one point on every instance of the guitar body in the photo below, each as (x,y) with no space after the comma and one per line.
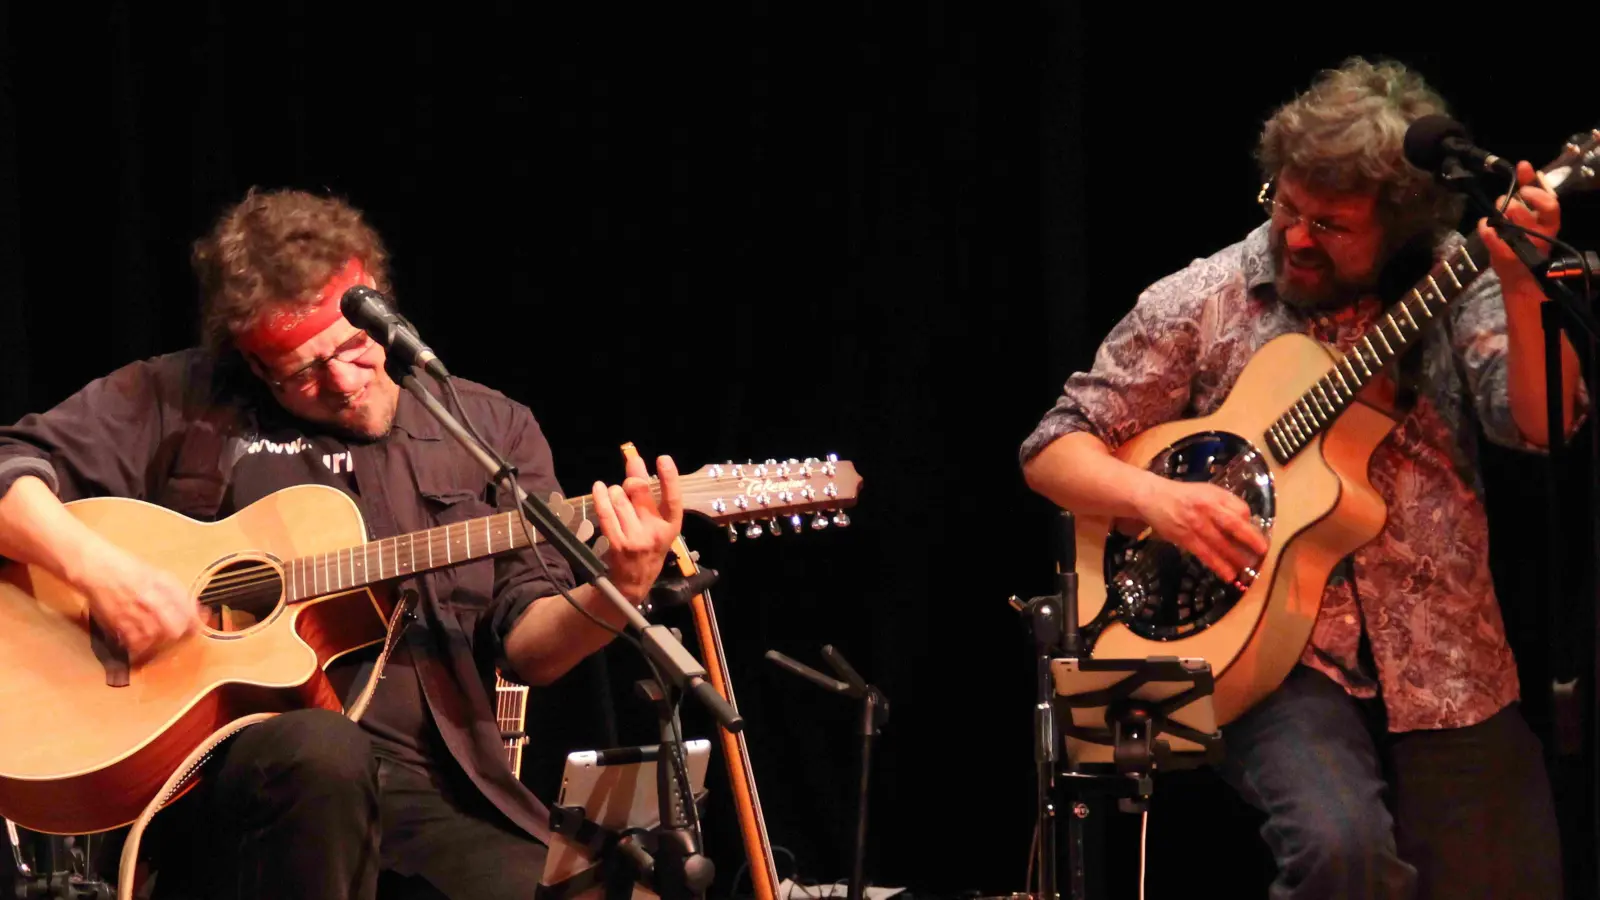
(1323,508)
(80,756)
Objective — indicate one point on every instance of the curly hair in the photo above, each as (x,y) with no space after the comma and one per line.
(1347,133)
(273,250)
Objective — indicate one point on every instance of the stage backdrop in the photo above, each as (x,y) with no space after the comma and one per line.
(887,231)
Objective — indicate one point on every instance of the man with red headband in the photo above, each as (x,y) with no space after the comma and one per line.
(286,391)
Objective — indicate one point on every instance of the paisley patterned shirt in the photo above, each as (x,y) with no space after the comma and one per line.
(1423,587)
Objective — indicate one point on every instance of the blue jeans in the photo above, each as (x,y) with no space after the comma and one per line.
(1476,817)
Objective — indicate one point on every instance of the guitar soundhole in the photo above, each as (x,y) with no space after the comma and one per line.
(1162,593)
(241,594)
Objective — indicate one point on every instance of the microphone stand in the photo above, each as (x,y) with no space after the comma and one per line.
(680,870)
(1560,304)
(874,714)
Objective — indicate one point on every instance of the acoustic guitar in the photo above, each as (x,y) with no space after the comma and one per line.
(287,584)
(1293,439)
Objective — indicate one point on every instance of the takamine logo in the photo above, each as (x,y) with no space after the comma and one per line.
(753,487)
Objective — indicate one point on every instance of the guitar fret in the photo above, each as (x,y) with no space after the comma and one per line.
(1405,307)
(1323,395)
(1376,356)
(1398,334)
(466,531)
(430,547)
(1354,378)
(1294,430)
(1307,421)
(1386,344)
(1449,271)
(1274,440)
(1470,264)
(1437,291)
(448,559)
(1340,375)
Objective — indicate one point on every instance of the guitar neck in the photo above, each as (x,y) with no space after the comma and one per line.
(1399,328)
(722,493)
(320,574)
(1394,333)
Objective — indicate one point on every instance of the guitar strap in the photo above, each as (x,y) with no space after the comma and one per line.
(192,476)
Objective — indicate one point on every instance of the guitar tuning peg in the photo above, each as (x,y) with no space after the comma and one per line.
(833,457)
(795,522)
(841,520)
(772,527)
(753,530)
(820,522)
(772,462)
(733,535)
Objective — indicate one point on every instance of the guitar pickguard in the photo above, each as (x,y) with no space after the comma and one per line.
(1155,589)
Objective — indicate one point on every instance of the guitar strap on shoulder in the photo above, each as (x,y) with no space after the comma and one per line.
(194,477)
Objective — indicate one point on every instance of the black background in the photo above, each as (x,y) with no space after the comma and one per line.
(883,230)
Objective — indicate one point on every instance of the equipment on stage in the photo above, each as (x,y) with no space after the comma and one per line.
(606,819)
(1293,440)
(874,714)
(57,868)
(1118,721)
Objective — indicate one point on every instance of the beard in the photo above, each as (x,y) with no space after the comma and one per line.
(1400,263)
(1315,282)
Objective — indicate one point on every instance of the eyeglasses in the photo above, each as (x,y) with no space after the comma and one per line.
(1285,217)
(305,378)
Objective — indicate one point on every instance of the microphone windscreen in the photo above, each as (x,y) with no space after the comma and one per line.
(1425,141)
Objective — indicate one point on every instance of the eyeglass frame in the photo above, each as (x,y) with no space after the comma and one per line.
(301,380)
(1320,231)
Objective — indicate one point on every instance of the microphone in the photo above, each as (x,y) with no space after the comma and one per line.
(1432,142)
(369,311)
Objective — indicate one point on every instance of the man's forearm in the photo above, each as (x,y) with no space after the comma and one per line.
(1078,472)
(552,637)
(36,528)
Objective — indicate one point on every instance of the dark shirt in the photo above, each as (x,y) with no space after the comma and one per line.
(178,430)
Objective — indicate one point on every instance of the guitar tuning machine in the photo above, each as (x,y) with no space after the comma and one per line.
(772,527)
(819,522)
(795,522)
(733,535)
(841,520)
(753,530)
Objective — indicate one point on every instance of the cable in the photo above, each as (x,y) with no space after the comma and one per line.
(1144,831)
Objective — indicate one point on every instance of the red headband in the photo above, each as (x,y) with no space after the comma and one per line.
(283,331)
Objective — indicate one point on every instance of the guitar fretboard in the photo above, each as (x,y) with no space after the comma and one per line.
(1393,333)
(407,554)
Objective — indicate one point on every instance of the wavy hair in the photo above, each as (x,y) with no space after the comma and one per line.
(273,250)
(1347,133)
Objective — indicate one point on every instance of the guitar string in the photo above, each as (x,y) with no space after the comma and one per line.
(247,580)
